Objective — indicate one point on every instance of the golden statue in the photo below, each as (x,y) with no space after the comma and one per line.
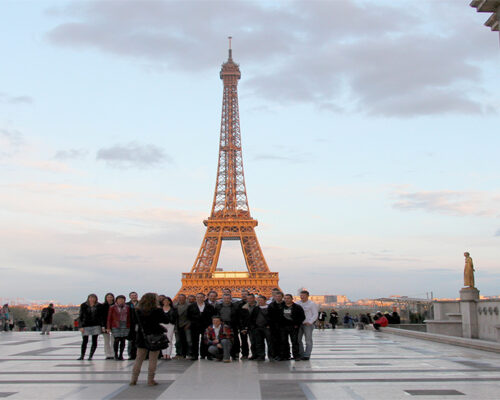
(468,271)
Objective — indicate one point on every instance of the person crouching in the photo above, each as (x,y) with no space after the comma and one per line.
(219,339)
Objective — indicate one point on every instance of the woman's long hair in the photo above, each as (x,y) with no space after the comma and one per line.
(106,298)
(92,295)
(148,302)
(169,300)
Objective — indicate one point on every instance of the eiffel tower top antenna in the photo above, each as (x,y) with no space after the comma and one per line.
(230,50)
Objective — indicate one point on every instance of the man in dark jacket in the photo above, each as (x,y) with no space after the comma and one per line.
(131,346)
(246,328)
(260,326)
(200,316)
(230,315)
(275,312)
(244,334)
(47,317)
(290,321)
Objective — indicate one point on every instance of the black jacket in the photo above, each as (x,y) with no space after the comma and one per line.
(200,320)
(298,316)
(275,313)
(255,313)
(133,321)
(105,310)
(149,324)
(88,318)
(171,315)
(47,314)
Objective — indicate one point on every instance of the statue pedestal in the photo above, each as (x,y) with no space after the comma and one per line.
(469,298)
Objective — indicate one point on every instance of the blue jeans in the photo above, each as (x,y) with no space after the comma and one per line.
(307,331)
(226,349)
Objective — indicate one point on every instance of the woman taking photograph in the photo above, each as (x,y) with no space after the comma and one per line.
(118,324)
(109,300)
(171,313)
(149,319)
(91,323)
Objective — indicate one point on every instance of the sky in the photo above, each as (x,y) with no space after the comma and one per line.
(370,131)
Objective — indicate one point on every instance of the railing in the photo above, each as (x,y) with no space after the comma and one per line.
(210,275)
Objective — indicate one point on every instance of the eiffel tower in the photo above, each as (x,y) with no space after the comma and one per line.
(230,217)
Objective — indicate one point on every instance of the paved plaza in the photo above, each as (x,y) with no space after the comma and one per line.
(346,364)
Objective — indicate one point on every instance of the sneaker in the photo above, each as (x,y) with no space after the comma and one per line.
(244,358)
(305,358)
(80,358)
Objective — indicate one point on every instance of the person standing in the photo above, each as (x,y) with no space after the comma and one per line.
(321,319)
(149,318)
(47,319)
(334,318)
(182,332)
(109,301)
(218,338)
(246,327)
(90,320)
(131,347)
(275,314)
(212,298)
(118,325)
(200,316)
(5,318)
(229,313)
(291,319)
(311,311)
(260,326)
(243,334)
(171,313)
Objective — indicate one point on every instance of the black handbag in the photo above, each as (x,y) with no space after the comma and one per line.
(153,341)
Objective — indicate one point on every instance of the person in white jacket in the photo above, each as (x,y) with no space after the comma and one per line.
(311,310)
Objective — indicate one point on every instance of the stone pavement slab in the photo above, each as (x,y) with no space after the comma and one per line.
(345,364)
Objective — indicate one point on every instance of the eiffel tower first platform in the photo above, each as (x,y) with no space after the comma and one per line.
(230,218)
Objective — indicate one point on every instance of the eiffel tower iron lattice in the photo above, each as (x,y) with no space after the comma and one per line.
(230,218)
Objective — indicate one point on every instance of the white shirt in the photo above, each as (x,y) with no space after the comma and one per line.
(311,310)
(202,307)
(217,330)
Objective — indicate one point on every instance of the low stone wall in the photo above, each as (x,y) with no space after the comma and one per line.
(410,327)
(457,341)
(489,319)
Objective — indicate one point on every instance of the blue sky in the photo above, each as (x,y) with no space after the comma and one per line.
(370,134)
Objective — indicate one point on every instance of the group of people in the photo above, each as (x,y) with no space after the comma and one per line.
(205,326)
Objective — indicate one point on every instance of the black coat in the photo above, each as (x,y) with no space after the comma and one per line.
(298,316)
(171,315)
(105,310)
(47,314)
(255,313)
(275,313)
(200,321)
(149,324)
(133,321)
(88,318)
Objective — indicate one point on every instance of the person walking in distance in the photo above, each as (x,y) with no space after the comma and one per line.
(311,311)
(292,317)
(47,318)
(171,313)
(182,332)
(200,316)
(118,324)
(131,347)
(334,318)
(321,319)
(109,301)
(149,319)
(90,321)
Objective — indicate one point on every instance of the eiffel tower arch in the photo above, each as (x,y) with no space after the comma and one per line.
(230,218)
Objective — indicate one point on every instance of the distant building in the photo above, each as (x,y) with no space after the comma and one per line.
(327,298)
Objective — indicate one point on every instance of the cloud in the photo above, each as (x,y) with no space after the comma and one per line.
(5,98)
(10,142)
(449,202)
(70,154)
(133,154)
(336,55)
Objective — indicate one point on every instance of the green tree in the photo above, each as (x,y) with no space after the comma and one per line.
(22,314)
(62,318)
